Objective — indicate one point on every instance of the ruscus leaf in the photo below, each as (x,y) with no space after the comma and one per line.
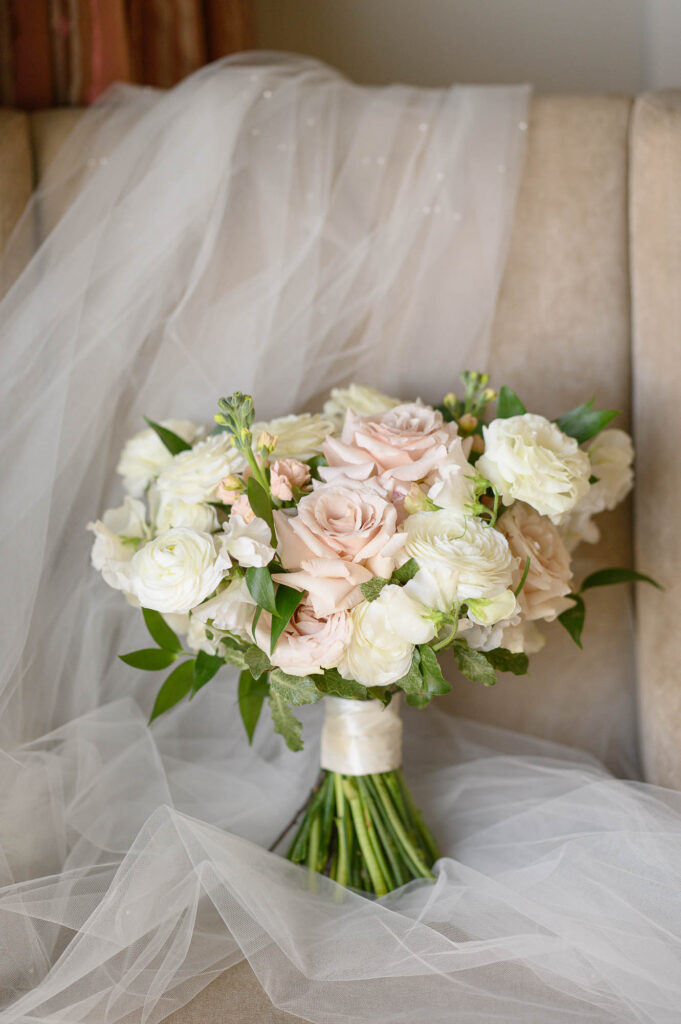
(149,659)
(608,577)
(508,404)
(259,501)
(572,619)
(261,587)
(177,685)
(160,631)
(252,693)
(286,600)
(173,442)
(205,667)
(584,422)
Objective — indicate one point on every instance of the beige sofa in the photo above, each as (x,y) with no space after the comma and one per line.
(593,291)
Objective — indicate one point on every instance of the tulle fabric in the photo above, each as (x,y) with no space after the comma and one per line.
(270,227)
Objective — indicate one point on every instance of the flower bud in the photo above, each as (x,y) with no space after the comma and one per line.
(478,444)
(468,422)
(267,441)
(416,500)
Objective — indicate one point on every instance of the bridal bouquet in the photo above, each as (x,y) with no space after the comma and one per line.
(344,557)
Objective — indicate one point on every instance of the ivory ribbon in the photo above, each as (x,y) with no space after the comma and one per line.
(361,737)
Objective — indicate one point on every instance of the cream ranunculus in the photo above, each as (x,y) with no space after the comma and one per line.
(309,644)
(404,444)
(363,401)
(118,534)
(230,611)
(177,570)
(194,476)
(144,456)
(533,536)
(167,512)
(298,437)
(384,633)
(478,555)
(528,458)
(248,541)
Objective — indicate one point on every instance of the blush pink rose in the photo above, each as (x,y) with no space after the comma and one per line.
(531,535)
(405,443)
(285,474)
(310,643)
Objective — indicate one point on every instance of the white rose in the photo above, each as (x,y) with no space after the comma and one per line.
(453,487)
(363,401)
(383,636)
(177,570)
(194,476)
(299,437)
(167,512)
(478,555)
(231,610)
(118,534)
(144,456)
(530,459)
(248,542)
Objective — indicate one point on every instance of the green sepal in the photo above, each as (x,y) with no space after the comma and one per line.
(508,404)
(205,667)
(286,601)
(372,588)
(252,693)
(285,722)
(405,572)
(175,688)
(584,422)
(173,442)
(160,631)
(332,684)
(572,619)
(149,659)
(294,689)
(257,661)
(261,587)
(504,660)
(608,577)
(473,664)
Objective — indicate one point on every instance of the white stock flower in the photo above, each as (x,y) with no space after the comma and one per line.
(248,542)
(528,458)
(364,401)
(478,555)
(299,437)
(194,476)
(383,636)
(167,511)
(144,455)
(177,570)
(117,536)
(230,611)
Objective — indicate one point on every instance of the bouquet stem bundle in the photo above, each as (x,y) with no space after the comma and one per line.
(364,831)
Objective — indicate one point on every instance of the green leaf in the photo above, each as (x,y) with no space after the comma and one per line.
(506,661)
(314,463)
(233,652)
(177,685)
(286,600)
(252,693)
(285,722)
(173,442)
(382,693)
(412,682)
(207,666)
(160,631)
(473,664)
(607,577)
(333,684)
(508,404)
(257,661)
(584,422)
(261,587)
(294,689)
(259,501)
(431,673)
(405,572)
(150,659)
(372,588)
(573,619)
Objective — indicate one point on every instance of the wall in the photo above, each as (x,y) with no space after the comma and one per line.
(559,45)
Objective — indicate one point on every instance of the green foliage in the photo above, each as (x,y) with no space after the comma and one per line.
(286,601)
(412,682)
(205,667)
(175,688)
(314,463)
(160,631)
(149,659)
(506,661)
(608,577)
(285,722)
(508,404)
(294,689)
(257,661)
(236,415)
(233,652)
(261,587)
(572,619)
(259,501)
(372,588)
(473,664)
(584,422)
(332,684)
(405,572)
(524,577)
(173,442)
(434,682)
(252,693)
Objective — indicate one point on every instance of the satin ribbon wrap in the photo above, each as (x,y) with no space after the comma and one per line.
(361,737)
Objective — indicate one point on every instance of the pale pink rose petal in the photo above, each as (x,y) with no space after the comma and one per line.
(332,585)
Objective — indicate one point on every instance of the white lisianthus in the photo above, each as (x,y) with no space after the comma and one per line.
(298,437)
(168,511)
(177,570)
(248,543)
(364,401)
(194,476)
(454,484)
(144,455)
(434,586)
(528,458)
(478,555)
(230,611)
(383,636)
(118,534)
